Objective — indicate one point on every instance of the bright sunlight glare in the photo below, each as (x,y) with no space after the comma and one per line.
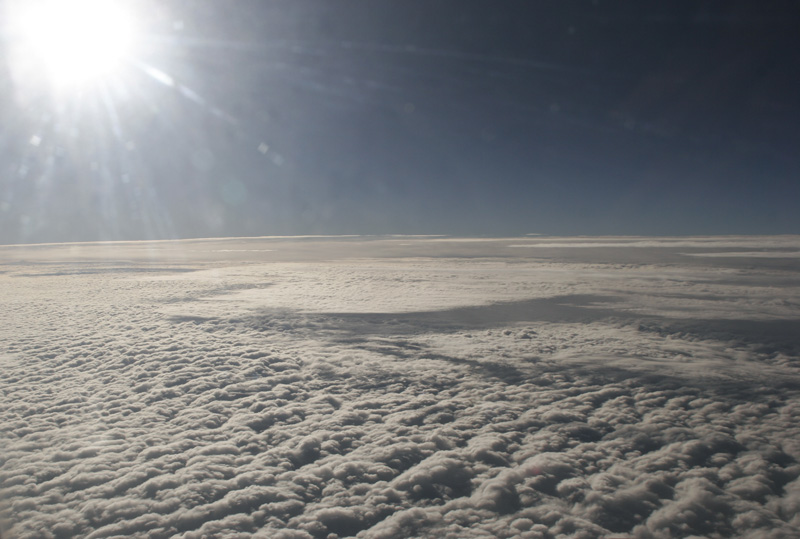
(79,41)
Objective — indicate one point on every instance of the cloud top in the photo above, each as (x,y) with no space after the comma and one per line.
(399,396)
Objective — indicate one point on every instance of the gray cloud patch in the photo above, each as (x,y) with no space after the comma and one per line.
(542,398)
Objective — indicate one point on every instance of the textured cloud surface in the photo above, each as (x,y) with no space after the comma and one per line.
(401,387)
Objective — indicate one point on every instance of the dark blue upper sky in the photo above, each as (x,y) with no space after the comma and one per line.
(421,117)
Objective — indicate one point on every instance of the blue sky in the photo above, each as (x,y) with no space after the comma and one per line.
(464,118)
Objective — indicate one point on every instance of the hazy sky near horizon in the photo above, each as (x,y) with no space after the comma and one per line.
(466,118)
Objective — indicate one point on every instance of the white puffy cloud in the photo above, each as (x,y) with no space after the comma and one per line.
(364,387)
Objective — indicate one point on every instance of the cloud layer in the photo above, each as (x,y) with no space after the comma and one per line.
(485,395)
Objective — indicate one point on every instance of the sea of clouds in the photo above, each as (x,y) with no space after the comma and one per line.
(401,387)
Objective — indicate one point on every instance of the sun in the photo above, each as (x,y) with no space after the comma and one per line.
(77,42)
